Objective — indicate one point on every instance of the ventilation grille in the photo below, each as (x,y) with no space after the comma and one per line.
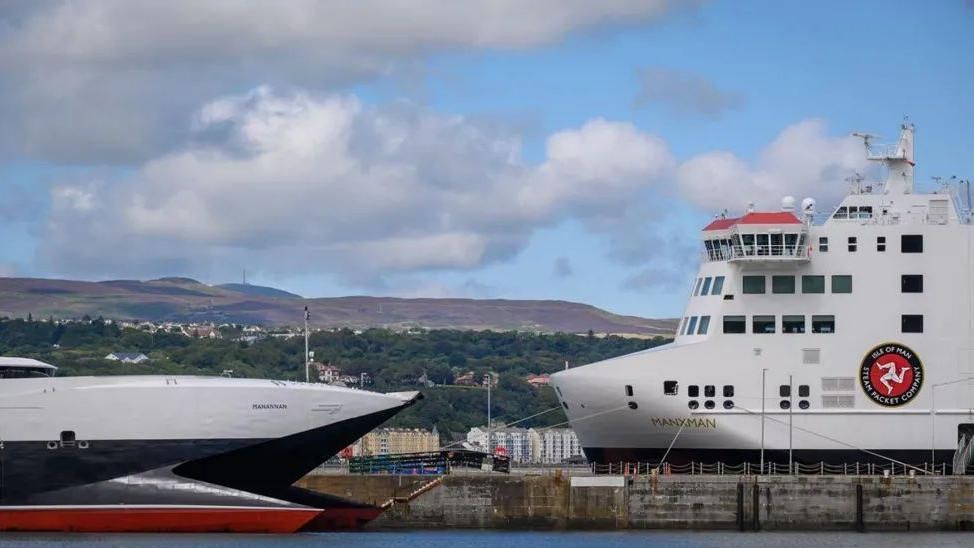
(838,384)
(811,356)
(843,401)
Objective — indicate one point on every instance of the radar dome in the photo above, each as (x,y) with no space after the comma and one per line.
(788,203)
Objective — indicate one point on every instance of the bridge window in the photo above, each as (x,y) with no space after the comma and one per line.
(911,243)
(718,287)
(880,243)
(841,283)
(704,325)
(853,243)
(813,284)
(793,324)
(782,284)
(753,285)
(823,324)
(706,286)
(912,283)
(735,324)
(696,290)
(692,325)
(762,324)
(912,323)
(823,244)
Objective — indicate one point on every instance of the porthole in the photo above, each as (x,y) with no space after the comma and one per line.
(728,404)
(709,404)
(804,404)
(785,404)
(52,445)
(633,405)
(82,444)
(693,404)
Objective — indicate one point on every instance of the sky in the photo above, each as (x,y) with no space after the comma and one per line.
(553,149)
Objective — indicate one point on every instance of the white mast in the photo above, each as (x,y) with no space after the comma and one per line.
(898,159)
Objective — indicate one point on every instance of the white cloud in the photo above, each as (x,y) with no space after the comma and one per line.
(126,73)
(685,92)
(297,182)
(803,160)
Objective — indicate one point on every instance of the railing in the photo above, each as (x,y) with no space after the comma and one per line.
(962,457)
(756,252)
(439,462)
(770,468)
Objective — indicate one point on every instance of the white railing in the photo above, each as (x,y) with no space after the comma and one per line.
(758,253)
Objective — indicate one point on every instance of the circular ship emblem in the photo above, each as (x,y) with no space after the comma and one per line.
(891,374)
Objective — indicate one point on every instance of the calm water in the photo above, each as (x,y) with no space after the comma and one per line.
(501,539)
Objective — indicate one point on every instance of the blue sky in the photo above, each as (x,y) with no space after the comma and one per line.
(566,154)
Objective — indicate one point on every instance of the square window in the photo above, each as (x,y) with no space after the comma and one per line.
(728,391)
(671,388)
(693,391)
(841,283)
(852,243)
(813,284)
(735,324)
(709,391)
(803,391)
(880,243)
(704,325)
(911,243)
(912,323)
(784,391)
(753,285)
(793,324)
(705,290)
(823,244)
(718,287)
(692,325)
(823,324)
(782,284)
(912,283)
(762,324)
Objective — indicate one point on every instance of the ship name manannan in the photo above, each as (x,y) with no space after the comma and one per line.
(685,422)
(269,406)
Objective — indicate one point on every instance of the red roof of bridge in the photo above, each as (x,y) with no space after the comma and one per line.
(755,218)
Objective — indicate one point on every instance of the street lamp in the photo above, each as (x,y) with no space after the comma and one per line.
(933,407)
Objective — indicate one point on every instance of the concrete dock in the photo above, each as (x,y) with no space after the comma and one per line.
(746,503)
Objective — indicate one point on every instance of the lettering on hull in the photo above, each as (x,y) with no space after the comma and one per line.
(684,422)
(269,406)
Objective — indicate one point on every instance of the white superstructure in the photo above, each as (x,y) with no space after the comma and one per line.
(857,331)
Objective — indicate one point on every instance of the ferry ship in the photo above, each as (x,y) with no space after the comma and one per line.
(173,453)
(841,340)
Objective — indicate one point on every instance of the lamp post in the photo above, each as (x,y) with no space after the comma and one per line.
(933,408)
(764,373)
(790,422)
(307,356)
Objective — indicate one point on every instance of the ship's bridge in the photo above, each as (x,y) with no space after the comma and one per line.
(757,237)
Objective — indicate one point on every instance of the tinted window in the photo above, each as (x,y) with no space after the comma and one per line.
(803,391)
(692,325)
(823,244)
(762,324)
(823,324)
(696,290)
(912,323)
(880,243)
(793,324)
(629,390)
(670,388)
(852,243)
(784,391)
(911,243)
(718,287)
(709,391)
(912,283)
(705,290)
(704,325)
(813,284)
(841,283)
(693,391)
(735,324)
(728,391)
(782,284)
(753,284)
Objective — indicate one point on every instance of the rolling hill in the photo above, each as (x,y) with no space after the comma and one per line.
(187,300)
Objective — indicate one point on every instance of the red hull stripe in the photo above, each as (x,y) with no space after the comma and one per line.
(337,519)
(157,520)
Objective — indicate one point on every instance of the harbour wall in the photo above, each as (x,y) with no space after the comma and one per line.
(868,503)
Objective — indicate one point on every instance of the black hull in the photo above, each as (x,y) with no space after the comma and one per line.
(615,455)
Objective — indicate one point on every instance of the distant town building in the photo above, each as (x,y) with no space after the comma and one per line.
(555,445)
(327,373)
(391,441)
(127,357)
(513,442)
(538,380)
(466,379)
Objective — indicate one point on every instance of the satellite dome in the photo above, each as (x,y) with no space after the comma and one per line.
(788,203)
(808,206)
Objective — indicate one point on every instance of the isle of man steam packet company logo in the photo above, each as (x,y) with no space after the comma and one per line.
(891,374)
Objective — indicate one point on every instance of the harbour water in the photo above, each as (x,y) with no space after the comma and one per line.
(505,539)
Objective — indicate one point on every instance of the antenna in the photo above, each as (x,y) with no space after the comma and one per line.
(855,182)
(866,138)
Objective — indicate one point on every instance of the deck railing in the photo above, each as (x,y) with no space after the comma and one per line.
(771,468)
(758,253)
